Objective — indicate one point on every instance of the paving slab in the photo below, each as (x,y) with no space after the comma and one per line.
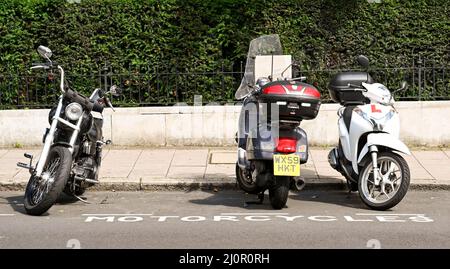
(319,159)
(134,168)
(416,168)
(119,163)
(220,171)
(153,163)
(8,165)
(438,171)
(194,157)
(429,155)
(191,172)
(3,152)
(229,157)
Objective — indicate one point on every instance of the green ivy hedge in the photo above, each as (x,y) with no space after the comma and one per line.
(182,36)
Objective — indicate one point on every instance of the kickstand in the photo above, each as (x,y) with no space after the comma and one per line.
(81,199)
(259,202)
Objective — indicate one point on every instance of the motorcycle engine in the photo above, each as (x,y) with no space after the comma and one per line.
(86,167)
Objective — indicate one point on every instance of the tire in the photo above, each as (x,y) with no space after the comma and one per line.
(61,172)
(278,194)
(243,182)
(401,190)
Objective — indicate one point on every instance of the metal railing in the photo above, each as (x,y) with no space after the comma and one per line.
(153,86)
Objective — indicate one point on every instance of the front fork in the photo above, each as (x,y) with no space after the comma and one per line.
(48,140)
(50,137)
(376,173)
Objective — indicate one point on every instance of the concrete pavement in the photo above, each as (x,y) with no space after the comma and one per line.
(154,168)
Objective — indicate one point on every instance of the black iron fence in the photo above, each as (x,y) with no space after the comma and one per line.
(151,86)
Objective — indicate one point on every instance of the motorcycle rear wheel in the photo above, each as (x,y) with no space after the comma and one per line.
(41,193)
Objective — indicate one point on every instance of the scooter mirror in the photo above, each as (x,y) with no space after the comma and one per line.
(115,91)
(363,61)
(44,52)
(404,85)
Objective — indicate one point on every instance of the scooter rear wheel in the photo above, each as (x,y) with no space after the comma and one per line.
(278,194)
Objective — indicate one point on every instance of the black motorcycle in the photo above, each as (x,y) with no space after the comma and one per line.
(72,152)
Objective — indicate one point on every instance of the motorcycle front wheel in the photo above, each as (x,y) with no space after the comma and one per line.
(41,193)
(395,178)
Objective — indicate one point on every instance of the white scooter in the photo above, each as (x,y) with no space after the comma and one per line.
(369,145)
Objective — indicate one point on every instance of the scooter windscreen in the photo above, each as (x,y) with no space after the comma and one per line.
(263,45)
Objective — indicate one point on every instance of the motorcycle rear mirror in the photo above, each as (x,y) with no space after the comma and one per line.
(44,52)
(403,86)
(363,61)
(115,91)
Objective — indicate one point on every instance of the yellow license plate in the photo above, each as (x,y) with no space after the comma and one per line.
(286,165)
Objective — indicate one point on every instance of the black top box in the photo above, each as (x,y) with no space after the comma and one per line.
(342,85)
(296,101)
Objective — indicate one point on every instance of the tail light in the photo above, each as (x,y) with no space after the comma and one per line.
(274,89)
(292,89)
(286,145)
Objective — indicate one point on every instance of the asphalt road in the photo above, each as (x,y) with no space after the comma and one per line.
(200,219)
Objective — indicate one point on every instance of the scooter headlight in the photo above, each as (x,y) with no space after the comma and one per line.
(377,123)
(73,111)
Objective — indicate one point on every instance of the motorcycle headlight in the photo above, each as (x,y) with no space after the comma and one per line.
(73,111)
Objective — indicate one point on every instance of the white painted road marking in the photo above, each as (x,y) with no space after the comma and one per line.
(387,214)
(7,215)
(254,213)
(257,216)
(117,214)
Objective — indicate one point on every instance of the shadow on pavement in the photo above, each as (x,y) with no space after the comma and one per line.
(240,199)
(236,199)
(16,202)
(334,197)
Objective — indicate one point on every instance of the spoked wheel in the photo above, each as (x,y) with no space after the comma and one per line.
(394,183)
(278,194)
(41,193)
(246,180)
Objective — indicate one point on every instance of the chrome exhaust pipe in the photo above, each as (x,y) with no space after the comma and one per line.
(299,183)
(242,159)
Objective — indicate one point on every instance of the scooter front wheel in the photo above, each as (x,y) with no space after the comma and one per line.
(279,192)
(246,181)
(395,177)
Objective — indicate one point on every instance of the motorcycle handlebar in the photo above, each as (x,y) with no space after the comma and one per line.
(83,101)
(43,65)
